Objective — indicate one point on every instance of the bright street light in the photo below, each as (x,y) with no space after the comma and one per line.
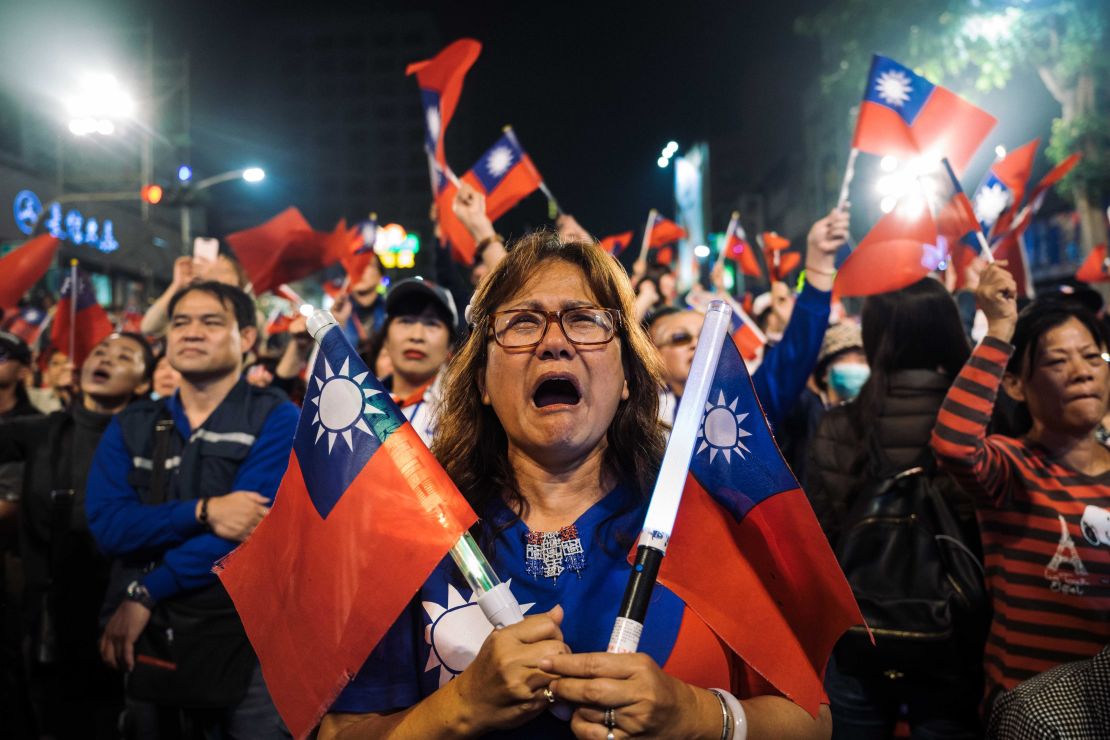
(100,102)
(253,174)
(701,251)
(662,162)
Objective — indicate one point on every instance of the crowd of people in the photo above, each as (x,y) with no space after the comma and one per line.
(549,401)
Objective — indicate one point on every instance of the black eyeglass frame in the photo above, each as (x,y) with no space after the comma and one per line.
(557,317)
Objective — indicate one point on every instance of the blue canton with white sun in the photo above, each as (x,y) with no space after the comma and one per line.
(898,88)
(346,416)
(735,458)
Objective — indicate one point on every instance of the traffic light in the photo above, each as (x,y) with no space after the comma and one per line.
(151,194)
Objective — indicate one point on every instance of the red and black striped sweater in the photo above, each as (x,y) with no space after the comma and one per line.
(1045,531)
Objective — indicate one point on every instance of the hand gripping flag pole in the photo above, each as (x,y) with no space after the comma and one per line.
(661,513)
(494,597)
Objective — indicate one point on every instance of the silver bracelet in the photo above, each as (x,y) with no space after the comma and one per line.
(726,717)
(738,720)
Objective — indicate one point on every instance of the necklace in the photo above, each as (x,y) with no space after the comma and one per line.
(548,554)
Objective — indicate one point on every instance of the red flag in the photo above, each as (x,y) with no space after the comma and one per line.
(905,115)
(362,517)
(25,266)
(738,248)
(747,336)
(664,256)
(1036,198)
(745,526)
(440,79)
(1094,268)
(286,248)
(454,232)
(616,243)
(1011,248)
(90,323)
(1004,188)
(505,174)
(27,324)
(898,251)
(664,231)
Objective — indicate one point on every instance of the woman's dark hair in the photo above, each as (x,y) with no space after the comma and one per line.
(917,327)
(372,348)
(1034,322)
(472,444)
(228,295)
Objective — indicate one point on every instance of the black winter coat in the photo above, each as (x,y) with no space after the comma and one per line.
(839,466)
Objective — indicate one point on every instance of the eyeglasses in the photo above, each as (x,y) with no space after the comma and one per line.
(524,328)
(678,339)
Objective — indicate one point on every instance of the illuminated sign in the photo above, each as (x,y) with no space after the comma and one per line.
(69,226)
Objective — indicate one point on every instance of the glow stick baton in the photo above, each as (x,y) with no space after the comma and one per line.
(494,597)
(663,509)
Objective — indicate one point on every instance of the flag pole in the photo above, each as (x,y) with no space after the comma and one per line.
(732,222)
(661,513)
(647,234)
(849,173)
(72,308)
(552,204)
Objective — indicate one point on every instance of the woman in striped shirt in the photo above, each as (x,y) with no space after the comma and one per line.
(1043,499)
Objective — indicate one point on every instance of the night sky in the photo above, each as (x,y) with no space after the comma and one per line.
(594,90)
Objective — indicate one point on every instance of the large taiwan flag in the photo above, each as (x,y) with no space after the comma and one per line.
(747,553)
(24,266)
(505,174)
(79,321)
(440,79)
(362,516)
(905,115)
(997,199)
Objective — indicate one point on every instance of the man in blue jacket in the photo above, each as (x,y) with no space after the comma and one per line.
(175,485)
(786,366)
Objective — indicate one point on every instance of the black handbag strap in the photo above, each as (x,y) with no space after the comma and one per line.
(163,436)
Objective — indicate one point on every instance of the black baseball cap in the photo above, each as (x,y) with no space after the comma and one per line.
(405,290)
(14,348)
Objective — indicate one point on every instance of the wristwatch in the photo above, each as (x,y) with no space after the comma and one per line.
(136,591)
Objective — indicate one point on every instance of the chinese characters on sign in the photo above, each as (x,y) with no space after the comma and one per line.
(71,226)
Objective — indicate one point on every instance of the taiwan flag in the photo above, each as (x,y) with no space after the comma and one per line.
(952,211)
(780,263)
(738,248)
(905,116)
(745,529)
(617,243)
(1036,198)
(899,250)
(27,323)
(440,79)
(663,231)
(1095,268)
(286,248)
(453,232)
(24,266)
(505,174)
(997,199)
(78,317)
(746,334)
(362,517)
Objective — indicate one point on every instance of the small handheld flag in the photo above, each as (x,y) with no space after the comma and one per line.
(440,79)
(996,200)
(362,516)
(80,323)
(25,266)
(661,513)
(505,174)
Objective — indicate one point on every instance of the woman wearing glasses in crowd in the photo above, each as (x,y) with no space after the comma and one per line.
(549,427)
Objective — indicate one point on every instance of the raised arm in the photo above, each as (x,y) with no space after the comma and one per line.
(960,436)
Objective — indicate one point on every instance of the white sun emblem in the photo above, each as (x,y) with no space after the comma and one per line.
(341,402)
(456,633)
(721,431)
(499,161)
(894,87)
(990,202)
(431,118)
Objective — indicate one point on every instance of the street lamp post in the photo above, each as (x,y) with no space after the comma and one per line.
(247,174)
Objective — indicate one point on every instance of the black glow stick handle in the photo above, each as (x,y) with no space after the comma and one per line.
(637,595)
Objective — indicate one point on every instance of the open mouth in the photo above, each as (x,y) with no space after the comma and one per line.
(100,375)
(555,391)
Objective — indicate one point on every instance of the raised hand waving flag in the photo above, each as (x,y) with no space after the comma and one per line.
(505,174)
